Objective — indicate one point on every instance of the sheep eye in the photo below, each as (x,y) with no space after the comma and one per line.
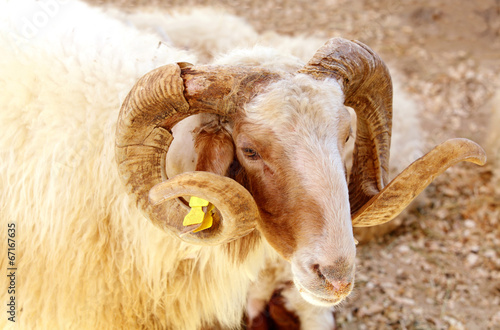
(348,135)
(250,153)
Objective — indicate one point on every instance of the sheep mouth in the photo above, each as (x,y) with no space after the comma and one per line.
(322,297)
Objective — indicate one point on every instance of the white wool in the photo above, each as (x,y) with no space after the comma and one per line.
(261,56)
(203,31)
(194,30)
(300,46)
(86,257)
(407,135)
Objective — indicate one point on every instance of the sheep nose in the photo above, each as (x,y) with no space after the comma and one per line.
(337,278)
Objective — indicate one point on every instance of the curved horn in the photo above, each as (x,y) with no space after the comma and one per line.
(367,87)
(401,191)
(158,101)
(240,216)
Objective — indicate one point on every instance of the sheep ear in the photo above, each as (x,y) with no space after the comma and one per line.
(214,147)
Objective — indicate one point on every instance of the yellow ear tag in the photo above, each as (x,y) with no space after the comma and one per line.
(197,216)
(196,201)
(207,220)
(194,217)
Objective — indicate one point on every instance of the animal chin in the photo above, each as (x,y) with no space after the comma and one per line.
(321,298)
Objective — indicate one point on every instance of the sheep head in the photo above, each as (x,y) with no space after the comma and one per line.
(278,168)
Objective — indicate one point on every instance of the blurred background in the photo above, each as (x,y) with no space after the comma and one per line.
(441,268)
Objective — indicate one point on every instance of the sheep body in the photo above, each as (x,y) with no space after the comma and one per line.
(83,247)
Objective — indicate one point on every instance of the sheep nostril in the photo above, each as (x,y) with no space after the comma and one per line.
(317,271)
(335,280)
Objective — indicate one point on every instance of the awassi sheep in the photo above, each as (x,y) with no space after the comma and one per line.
(99,216)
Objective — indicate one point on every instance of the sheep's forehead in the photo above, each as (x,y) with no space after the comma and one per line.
(310,122)
(300,107)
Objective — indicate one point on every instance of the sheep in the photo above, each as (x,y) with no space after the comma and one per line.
(406,146)
(94,248)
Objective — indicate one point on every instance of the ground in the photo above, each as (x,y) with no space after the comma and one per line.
(441,268)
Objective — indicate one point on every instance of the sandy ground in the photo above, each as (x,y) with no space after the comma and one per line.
(441,268)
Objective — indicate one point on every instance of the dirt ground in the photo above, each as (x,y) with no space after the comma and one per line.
(441,268)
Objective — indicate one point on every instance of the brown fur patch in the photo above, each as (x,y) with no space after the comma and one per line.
(275,316)
(282,203)
(215,149)
(269,183)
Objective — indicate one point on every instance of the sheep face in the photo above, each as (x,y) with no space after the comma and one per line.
(287,153)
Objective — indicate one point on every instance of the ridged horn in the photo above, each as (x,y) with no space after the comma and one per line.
(240,214)
(158,101)
(401,191)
